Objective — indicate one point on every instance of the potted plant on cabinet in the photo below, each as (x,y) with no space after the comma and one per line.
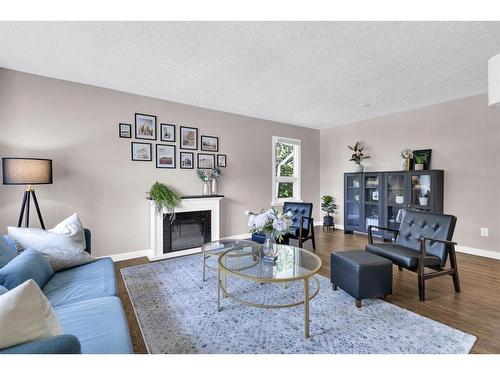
(328,206)
(357,156)
(424,201)
(420,158)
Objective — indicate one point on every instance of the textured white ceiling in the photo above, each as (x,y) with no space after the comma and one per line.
(315,74)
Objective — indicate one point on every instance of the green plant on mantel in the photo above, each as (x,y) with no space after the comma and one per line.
(164,198)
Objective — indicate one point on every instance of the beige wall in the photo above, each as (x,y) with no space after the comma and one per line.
(77,126)
(465,139)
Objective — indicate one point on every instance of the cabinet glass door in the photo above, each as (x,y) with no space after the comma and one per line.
(397,200)
(354,198)
(421,192)
(372,198)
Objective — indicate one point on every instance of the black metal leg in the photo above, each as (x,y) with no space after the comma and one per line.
(27,218)
(37,209)
(23,206)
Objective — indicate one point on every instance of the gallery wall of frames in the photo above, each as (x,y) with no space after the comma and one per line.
(146,134)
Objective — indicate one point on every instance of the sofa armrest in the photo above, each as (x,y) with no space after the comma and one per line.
(62,344)
(370,234)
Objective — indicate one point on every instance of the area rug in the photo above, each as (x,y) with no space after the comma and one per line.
(177,313)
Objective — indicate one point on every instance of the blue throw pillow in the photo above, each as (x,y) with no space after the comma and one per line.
(3,290)
(30,264)
(6,252)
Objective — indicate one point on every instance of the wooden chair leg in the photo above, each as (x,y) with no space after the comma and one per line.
(313,238)
(453,264)
(421,282)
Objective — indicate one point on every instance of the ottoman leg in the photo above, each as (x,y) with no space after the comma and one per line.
(358,303)
(334,286)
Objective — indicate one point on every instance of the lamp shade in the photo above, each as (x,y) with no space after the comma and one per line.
(26,171)
(494,81)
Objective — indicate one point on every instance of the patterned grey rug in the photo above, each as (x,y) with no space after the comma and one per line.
(177,313)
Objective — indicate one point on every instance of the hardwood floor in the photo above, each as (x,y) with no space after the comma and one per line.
(476,310)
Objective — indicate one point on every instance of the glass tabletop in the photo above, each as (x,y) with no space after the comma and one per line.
(293,263)
(239,247)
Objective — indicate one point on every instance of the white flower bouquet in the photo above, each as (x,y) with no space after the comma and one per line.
(270,222)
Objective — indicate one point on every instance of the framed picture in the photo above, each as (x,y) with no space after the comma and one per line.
(187,160)
(125,130)
(209,143)
(422,159)
(206,161)
(141,151)
(165,156)
(145,126)
(189,138)
(221,160)
(167,133)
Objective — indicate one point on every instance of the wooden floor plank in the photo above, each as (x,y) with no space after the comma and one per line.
(476,310)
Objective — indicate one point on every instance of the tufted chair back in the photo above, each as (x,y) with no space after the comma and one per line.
(416,225)
(298,210)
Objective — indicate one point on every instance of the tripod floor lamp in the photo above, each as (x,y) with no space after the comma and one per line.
(27,171)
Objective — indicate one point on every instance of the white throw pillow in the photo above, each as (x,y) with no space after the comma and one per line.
(63,245)
(26,315)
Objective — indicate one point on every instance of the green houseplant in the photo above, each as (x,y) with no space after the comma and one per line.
(357,157)
(164,198)
(328,206)
(421,158)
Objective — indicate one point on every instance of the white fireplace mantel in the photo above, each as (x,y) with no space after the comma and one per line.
(194,203)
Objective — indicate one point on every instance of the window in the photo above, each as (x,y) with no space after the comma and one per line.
(286,170)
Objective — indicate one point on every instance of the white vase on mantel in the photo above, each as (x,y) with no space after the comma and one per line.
(213,187)
(206,188)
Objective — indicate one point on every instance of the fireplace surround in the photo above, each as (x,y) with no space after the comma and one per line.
(194,214)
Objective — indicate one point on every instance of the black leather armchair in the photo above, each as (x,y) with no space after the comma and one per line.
(302,227)
(423,241)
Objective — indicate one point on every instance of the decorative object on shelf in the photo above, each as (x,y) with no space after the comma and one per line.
(357,156)
(189,138)
(141,151)
(206,177)
(164,198)
(145,126)
(422,159)
(407,156)
(328,206)
(27,171)
(206,161)
(209,143)
(221,160)
(494,81)
(356,197)
(167,133)
(400,198)
(273,224)
(424,200)
(165,156)
(216,173)
(187,160)
(125,130)
(355,184)
(375,195)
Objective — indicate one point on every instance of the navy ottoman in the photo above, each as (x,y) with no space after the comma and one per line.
(361,274)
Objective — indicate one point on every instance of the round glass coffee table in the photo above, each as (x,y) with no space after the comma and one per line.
(292,265)
(240,248)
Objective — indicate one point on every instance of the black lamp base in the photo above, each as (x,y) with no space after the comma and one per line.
(25,209)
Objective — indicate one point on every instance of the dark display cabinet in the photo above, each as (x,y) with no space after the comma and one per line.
(381,198)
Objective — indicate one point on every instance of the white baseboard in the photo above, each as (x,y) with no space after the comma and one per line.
(478,252)
(129,255)
(337,226)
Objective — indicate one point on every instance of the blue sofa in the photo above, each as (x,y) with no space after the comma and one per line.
(91,315)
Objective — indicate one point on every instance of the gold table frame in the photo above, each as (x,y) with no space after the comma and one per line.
(222,286)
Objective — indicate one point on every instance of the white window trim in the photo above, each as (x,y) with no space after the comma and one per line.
(297,178)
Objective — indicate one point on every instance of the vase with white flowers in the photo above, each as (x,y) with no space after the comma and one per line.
(273,224)
(407,156)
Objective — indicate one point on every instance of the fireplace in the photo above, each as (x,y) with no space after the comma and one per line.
(196,222)
(189,230)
